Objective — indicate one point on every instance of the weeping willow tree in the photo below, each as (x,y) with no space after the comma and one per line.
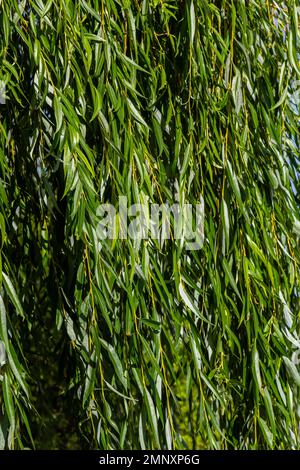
(127,343)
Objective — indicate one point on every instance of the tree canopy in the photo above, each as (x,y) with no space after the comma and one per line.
(136,344)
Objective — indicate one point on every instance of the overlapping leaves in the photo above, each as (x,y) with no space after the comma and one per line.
(165,347)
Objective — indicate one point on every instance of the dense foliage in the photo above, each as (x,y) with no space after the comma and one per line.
(123,343)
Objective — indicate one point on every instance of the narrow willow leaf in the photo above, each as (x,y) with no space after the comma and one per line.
(3,323)
(291,53)
(292,370)
(89,384)
(230,277)
(17,369)
(90,10)
(2,435)
(12,294)
(116,362)
(189,303)
(135,113)
(168,435)
(266,432)
(153,324)
(3,356)
(193,22)
(152,416)
(256,368)
(270,411)
(237,92)
(119,393)
(97,104)
(8,400)
(141,433)
(58,112)
(225,220)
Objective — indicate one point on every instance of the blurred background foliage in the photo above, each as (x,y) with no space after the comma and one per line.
(116,344)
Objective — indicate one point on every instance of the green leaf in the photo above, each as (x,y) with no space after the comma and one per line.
(230,277)
(13,295)
(135,113)
(292,370)
(151,323)
(118,368)
(3,323)
(8,400)
(58,112)
(237,92)
(193,22)
(256,368)
(151,411)
(266,431)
